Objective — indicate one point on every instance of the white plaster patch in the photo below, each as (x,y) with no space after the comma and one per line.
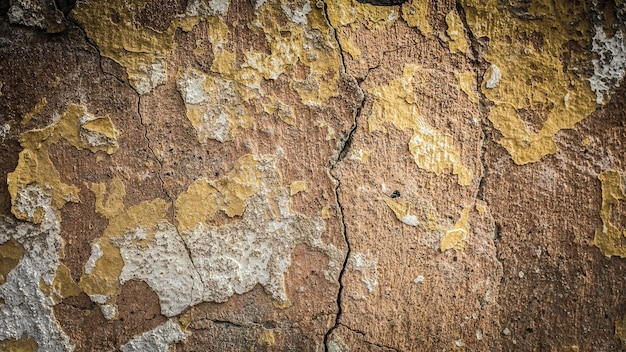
(256,249)
(207,8)
(31,199)
(149,77)
(297,12)
(164,264)
(96,253)
(366,264)
(26,310)
(159,339)
(4,130)
(494,77)
(215,109)
(190,86)
(109,311)
(27,13)
(410,220)
(609,67)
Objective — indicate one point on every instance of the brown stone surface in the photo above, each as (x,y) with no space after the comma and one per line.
(359,194)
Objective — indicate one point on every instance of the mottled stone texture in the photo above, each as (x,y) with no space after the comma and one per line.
(312,175)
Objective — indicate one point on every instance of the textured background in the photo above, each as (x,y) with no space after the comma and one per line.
(308,175)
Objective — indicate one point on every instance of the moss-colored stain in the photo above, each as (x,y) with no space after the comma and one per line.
(526,52)
(11,252)
(35,167)
(24,344)
(620,332)
(432,150)
(610,239)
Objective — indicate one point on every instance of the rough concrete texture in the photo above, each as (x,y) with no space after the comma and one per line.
(304,175)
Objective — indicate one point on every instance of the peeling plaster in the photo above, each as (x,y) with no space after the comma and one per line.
(26,312)
(432,149)
(198,262)
(160,339)
(610,65)
(366,264)
(609,238)
(528,74)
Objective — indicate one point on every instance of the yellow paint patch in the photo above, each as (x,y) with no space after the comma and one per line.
(351,12)
(275,107)
(326,213)
(361,155)
(24,344)
(456,32)
(111,25)
(610,239)
(532,77)
(104,277)
(456,236)
(11,252)
(467,83)
(35,111)
(267,338)
(35,167)
(204,198)
(432,150)
(400,209)
(415,13)
(63,285)
(349,46)
(297,187)
(620,332)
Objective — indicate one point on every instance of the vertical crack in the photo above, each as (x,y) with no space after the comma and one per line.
(478,64)
(170,199)
(343,150)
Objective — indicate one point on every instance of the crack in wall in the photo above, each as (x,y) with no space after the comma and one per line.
(369,342)
(171,200)
(333,164)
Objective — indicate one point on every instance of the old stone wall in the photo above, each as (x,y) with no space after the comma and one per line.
(299,175)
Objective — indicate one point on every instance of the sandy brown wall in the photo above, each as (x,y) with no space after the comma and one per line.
(301,175)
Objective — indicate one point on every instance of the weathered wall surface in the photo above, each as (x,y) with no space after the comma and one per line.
(312,176)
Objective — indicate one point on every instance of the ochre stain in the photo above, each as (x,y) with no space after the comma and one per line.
(24,344)
(455,237)
(432,150)
(104,277)
(351,13)
(11,252)
(297,187)
(532,77)
(609,238)
(35,111)
(112,26)
(204,198)
(456,32)
(34,164)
